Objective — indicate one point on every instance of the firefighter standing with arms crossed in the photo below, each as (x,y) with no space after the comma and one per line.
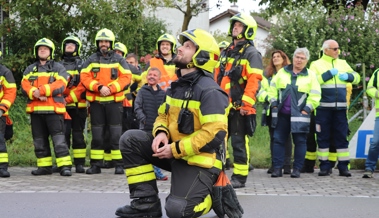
(8,95)
(238,74)
(43,84)
(187,134)
(75,107)
(105,75)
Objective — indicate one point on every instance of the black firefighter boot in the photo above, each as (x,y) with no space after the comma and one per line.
(142,207)
(309,166)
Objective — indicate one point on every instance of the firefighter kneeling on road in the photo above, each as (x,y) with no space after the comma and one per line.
(187,134)
(43,84)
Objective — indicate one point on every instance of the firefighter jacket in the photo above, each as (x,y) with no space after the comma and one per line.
(7,89)
(131,90)
(110,70)
(372,90)
(239,73)
(167,69)
(194,117)
(304,91)
(262,96)
(74,99)
(333,90)
(51,80)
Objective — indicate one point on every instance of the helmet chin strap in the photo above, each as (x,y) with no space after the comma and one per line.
(190,65)
(240,36)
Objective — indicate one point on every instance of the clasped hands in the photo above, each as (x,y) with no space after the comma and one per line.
(161,147)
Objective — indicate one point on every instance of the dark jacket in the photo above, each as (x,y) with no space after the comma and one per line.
(146,106)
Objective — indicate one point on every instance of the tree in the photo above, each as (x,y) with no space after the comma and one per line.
(277,6)
(309,26)
(56,19)
(189,8)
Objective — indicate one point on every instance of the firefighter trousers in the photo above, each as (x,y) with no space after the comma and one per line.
(240,145)
(3,148)
(334,123)
(75,127)
(105,116)
(43,126)
(191,186)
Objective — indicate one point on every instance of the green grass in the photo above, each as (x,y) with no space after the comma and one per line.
(21,149)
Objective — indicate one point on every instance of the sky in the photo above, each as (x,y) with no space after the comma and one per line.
(243,6)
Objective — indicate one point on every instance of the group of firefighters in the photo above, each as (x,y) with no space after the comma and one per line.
(199,114)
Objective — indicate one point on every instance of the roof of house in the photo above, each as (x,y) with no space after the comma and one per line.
(262,23)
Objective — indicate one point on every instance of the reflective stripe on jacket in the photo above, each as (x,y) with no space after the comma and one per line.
(111,71)
(73,66)
(372,90)
(333,90)
(209,106)
(51,80)
(8,89)
(252,68)
(305,93)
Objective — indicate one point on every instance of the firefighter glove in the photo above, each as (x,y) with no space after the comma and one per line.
(250,124)
(231,204)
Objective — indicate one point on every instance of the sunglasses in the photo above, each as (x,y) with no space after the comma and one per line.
(334,49)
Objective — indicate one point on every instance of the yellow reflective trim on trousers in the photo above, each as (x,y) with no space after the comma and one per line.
(343,154)
(48,90)
(97,154)
(92,84)
(141,178)
(323,155)
(79,153)
(116,155)
(204,206)
(107,156)
(214,118)
(311,155)
(248,99)
(45,162)
(247,147)
(3,157)
(135,171)
(241,169)
(332,156)
(64,161)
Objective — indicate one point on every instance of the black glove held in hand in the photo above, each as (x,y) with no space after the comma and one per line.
(231,204)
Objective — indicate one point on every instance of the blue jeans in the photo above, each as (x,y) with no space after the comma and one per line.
(281,132)
(373,152)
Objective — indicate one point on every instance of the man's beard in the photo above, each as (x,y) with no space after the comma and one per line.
(104,50)
(179,64)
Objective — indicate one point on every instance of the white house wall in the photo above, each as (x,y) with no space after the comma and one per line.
(222,25)
(174,20)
